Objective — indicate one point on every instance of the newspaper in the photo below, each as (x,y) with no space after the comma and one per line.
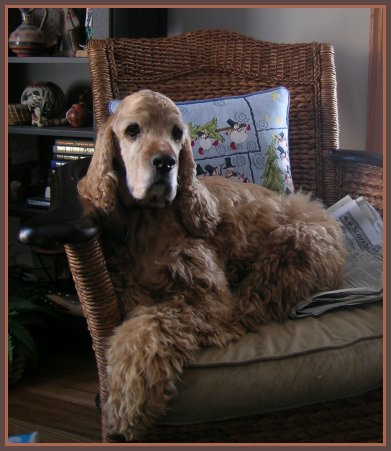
(363,275)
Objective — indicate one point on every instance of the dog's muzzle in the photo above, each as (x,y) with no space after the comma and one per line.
(163,189)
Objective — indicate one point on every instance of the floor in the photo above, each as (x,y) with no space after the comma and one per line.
(57,397)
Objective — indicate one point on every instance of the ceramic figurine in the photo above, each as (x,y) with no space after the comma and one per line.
(79,114)
(46,102)
(70,36)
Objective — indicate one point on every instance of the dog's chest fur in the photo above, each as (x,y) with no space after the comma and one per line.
(151,239)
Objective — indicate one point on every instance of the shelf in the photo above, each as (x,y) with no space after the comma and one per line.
(47,59)
(83,132)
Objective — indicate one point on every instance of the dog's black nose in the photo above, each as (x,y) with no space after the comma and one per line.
(163,163)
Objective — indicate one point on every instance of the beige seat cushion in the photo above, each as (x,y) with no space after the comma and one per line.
(314,359)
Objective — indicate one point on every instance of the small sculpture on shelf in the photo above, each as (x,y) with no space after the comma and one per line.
(46,102)
(70,35)
(79,115)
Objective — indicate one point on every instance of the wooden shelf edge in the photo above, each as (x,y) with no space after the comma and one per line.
(84,132)
(48,60)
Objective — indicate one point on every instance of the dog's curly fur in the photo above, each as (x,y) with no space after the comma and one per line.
(196,262)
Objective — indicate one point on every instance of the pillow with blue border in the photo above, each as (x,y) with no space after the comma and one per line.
(243,137)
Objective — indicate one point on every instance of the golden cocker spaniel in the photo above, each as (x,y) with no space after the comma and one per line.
(195,262)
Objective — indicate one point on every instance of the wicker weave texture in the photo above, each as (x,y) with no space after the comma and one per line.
(362,180)
(213,63)
(18,114)
(99,303)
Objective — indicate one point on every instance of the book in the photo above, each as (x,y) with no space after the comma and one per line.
(55,164)
(59,148)
(69,156)
(38,202)
(74,142)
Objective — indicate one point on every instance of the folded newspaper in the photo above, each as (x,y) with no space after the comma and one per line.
(363,277)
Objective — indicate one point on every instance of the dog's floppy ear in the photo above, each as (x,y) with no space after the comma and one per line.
(100,183)
(197,207)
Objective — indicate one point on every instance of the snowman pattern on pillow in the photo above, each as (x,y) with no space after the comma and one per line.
(243,138)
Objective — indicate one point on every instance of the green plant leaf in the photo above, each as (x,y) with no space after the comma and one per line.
(25,311)
(10,349)
(22,338)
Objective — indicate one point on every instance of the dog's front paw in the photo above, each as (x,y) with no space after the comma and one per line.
(142,365)
(123,406)
(121,420)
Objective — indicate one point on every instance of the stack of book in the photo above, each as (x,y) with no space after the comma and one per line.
(64,151)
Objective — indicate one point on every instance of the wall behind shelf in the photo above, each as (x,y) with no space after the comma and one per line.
(73,79)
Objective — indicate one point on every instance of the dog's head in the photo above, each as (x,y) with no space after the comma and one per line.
(150,134)
(143,155)
(141,143)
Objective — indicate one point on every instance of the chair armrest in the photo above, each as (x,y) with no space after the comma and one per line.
(71,219)
(357,156)
(360,173)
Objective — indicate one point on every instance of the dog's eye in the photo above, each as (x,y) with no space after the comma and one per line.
(133,130)
(177,133)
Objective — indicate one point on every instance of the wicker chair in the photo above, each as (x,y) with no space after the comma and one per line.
(230,64)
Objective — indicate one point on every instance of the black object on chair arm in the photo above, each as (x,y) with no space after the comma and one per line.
(71,219)
(357,156)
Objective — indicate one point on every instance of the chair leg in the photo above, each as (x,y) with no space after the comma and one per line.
(99,302)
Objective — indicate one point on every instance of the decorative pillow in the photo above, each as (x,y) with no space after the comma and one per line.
(241,137)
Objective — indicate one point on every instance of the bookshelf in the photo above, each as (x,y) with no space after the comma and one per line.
(47,60)
(71,74)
